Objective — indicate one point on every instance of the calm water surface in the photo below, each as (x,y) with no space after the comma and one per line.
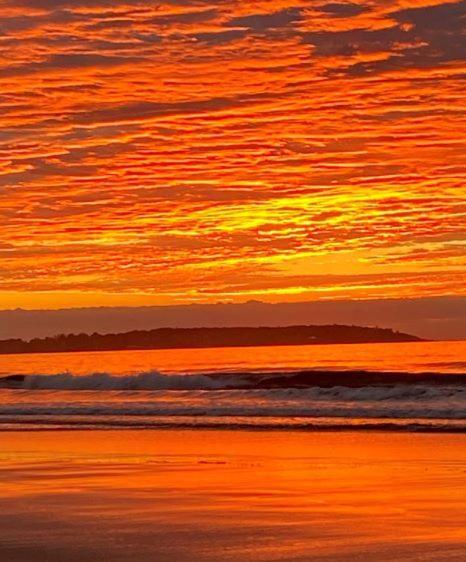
(406,357)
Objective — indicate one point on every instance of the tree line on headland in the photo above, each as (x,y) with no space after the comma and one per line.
(179,338)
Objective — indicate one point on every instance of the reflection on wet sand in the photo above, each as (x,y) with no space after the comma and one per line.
(226,495)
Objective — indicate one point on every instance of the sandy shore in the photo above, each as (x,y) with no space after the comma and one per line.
(221,496)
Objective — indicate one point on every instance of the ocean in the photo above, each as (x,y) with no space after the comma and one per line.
(417,386)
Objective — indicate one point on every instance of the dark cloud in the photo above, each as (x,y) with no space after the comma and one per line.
(351,42)
(256,23)
(111,23)
(61,4)
(141,110)
(343,10)
(436,318)
(185,18)
(263,22)
(446,18)
(68,61)
(422,37)
(14,24)
(219,37)
(17,24)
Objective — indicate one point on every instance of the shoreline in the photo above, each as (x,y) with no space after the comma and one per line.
(246,429)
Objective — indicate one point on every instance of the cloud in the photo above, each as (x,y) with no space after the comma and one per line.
(190,151)
(435,318)
(219,37)
(199,16)
(343,10)
(149,110)
(262,22)
(67,62)
(422,37)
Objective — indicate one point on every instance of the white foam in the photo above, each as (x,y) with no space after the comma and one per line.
(399,401)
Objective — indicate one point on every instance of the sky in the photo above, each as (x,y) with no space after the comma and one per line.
(190,151)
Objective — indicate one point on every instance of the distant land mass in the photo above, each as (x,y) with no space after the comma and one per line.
(188,338)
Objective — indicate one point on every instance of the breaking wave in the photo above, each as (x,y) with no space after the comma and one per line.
(301,399)
(154,380)
(104,381)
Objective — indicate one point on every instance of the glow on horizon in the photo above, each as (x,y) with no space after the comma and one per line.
(211,151)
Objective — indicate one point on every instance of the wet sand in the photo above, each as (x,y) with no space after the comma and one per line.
(231,495)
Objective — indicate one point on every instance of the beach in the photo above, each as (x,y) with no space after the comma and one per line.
(209,495)
(280,454)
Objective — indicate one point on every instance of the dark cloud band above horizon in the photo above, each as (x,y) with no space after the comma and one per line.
(430,318)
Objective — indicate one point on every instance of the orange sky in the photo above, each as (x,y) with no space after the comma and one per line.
(194,151)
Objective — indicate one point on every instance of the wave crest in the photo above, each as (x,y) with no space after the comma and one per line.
(152,380)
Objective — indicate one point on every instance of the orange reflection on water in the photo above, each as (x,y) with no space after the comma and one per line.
(419,356)
(208,495)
